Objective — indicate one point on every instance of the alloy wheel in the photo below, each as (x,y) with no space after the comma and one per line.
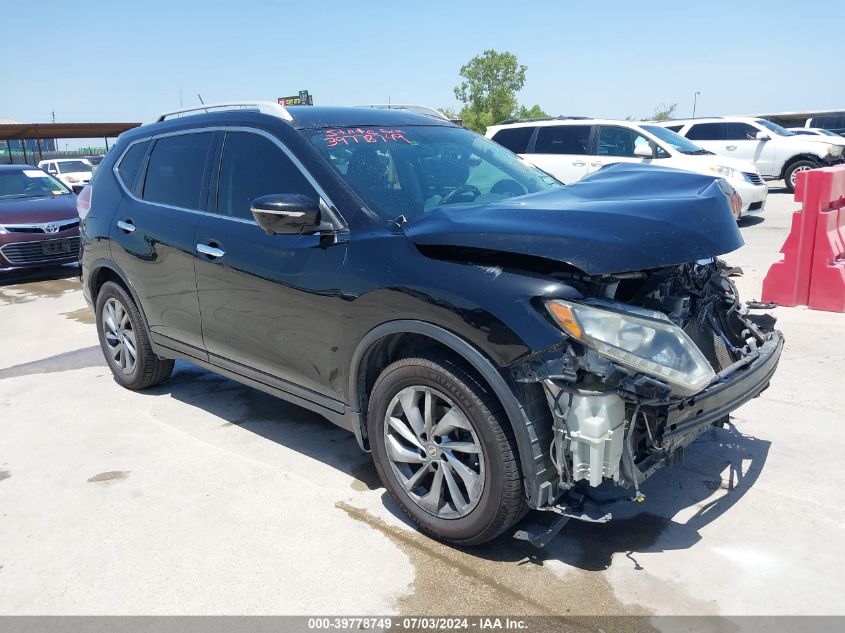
(793,176)
(119,335)
(434,452)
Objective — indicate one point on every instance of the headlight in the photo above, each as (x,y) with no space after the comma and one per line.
(725,171)
(72,179)
(835,151)
(651,346)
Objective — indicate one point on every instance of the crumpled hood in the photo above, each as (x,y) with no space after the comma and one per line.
(622,218)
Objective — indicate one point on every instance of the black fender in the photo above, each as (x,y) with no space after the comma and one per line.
(531,453)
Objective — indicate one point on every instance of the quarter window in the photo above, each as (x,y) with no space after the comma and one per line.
(563,139)
(131,161)
(706,132)
(254,166)
(514,138)
(175,170)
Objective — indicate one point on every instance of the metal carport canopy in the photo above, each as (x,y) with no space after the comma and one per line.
(20,131)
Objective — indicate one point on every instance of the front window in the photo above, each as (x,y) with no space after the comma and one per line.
(29,183)
(774,127)
(413,170)
(74,166)
(674,140)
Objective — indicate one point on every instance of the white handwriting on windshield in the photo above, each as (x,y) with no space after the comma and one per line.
(354,136)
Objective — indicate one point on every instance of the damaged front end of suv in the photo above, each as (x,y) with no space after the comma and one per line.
(656,344)
(653,358)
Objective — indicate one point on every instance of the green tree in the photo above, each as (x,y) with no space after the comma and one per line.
(534,112)
(664,112)
(488,90)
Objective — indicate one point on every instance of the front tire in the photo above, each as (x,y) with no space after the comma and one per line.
(799,165)
(125,340)
(444,449)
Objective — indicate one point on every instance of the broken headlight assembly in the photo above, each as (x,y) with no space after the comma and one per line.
(651,346)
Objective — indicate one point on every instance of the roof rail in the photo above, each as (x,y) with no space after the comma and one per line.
(266,107)
(410,107)
(545,118)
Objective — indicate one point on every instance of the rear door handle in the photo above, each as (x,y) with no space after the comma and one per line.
(578,163)
(730,147)
(126,225)
(598,163)
(211,251)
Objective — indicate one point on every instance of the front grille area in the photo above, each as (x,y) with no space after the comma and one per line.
(754,179)
(21,253)
(710,344)
(62,225)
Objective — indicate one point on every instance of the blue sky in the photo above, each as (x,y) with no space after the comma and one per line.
(128,60)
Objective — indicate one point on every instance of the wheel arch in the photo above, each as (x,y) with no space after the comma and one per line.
(103,270)
(795,158)
(379,347)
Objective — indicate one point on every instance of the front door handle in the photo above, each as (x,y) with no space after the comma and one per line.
(211,251)
(578,163)
(598,163)
(730,147)
(126,225)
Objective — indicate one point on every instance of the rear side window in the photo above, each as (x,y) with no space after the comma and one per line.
(127,170)
(706,132)
(175,170)
(563,139)
(514,138)
(254,166)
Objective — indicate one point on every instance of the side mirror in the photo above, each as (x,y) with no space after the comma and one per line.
(763,136)
(286,213)
(643,150)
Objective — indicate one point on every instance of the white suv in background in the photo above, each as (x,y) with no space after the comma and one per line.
(570,148)
(74,172)
(777,152)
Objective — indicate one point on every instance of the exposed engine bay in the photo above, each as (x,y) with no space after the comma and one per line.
(653,359)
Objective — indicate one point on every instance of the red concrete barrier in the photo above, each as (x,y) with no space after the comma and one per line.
(812,271)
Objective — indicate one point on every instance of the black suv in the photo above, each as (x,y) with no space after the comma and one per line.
(498,341)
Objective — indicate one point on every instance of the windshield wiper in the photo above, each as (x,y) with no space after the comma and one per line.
(697,152)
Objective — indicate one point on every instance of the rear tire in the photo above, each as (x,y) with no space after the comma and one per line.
(125,340)
(480,492)
(794,168)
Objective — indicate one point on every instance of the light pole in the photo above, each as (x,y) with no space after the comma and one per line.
(695,102)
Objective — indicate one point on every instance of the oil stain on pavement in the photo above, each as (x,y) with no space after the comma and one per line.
(505,577)
(25,293)
(109,476)
(83,315)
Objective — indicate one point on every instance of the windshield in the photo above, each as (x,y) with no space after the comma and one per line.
(29,183)
(416,169)
(774,127)
(674,140)
(828,133)
(71,166)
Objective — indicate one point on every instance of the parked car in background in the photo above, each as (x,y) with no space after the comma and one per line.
(827,135)
(74,172)
(571,148)
(835,122)
(775,151)
(39,225)
(498,341)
